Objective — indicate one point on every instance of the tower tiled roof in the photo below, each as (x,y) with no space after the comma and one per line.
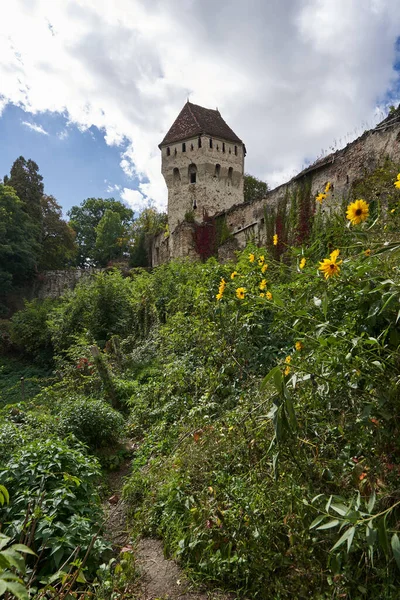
(196,120)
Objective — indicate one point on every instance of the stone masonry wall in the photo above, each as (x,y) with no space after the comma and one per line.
(52,284)
(342,169)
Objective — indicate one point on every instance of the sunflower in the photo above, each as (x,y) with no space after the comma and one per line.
(263,284)
(251,257)
(268,296)
(264,268)
(302,263)
(357,212)
(233,275)
(261,260)
(367,252)
(275,240)
(320,198)
(288,360)
(287,370)
(298,346)
(397,182)
(240,292)
(262,295)
(328,187)
(221,289)
(329,266)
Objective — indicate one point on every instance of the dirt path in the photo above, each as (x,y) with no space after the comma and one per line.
(160,579)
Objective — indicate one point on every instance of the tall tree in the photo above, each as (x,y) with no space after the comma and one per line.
(254,189)
(111,238)
(28,185)
(150,222)
(18,244)
(58,242)
(84,220)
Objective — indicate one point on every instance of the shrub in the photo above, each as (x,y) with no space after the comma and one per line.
(54,502)
(29,330)
(93,422)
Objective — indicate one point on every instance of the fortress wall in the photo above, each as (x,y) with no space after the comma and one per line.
(52,284)
(342,169)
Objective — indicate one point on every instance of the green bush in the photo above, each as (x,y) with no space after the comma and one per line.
(54,503)
(30,332)
(93,422)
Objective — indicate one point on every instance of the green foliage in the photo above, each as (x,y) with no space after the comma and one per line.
(254,189)
(55,504)
(58,242)
(18,243)
(99,308)
(85,220)
(93,422)
(30,332)
(35,377)
(28,185)
(12,568)
(111,238)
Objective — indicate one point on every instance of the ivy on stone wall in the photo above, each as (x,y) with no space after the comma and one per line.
(210,235)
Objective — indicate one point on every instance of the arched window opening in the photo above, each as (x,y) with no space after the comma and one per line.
(217,171)
(192,173)
(235,150)
(230,175)
(177,175)
(194,203)
(230,150)
(223,146)
(168,151)
(191,146)
(199,142)
(183,147)
(176,152)
(211,143)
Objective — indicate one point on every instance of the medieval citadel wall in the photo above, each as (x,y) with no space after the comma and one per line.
(219,178)
(342,169)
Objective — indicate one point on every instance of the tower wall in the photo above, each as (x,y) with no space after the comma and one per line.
(218,172)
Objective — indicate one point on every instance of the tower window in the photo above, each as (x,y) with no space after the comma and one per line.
(192,171)
(177,175)
(199,142)
(168,151)
(183,147)
(230,174)
(235,150)
(191,146)
(211,144)
(176,152)
(223,146)
(217,171)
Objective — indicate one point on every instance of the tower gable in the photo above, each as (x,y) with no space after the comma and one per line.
(194,120)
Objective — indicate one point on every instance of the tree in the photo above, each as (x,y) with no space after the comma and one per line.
(149,223)
(18,244)
(254,189)
(28,185)
(111,238)
(84,220)
(58,243)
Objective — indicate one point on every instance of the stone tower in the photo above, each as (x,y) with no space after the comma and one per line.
(202,164)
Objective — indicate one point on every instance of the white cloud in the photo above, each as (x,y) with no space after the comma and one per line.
(35,127)
(62,135)
(291,78)
(111,188)
(135,200)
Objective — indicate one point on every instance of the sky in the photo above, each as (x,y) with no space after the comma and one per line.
(88,88)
